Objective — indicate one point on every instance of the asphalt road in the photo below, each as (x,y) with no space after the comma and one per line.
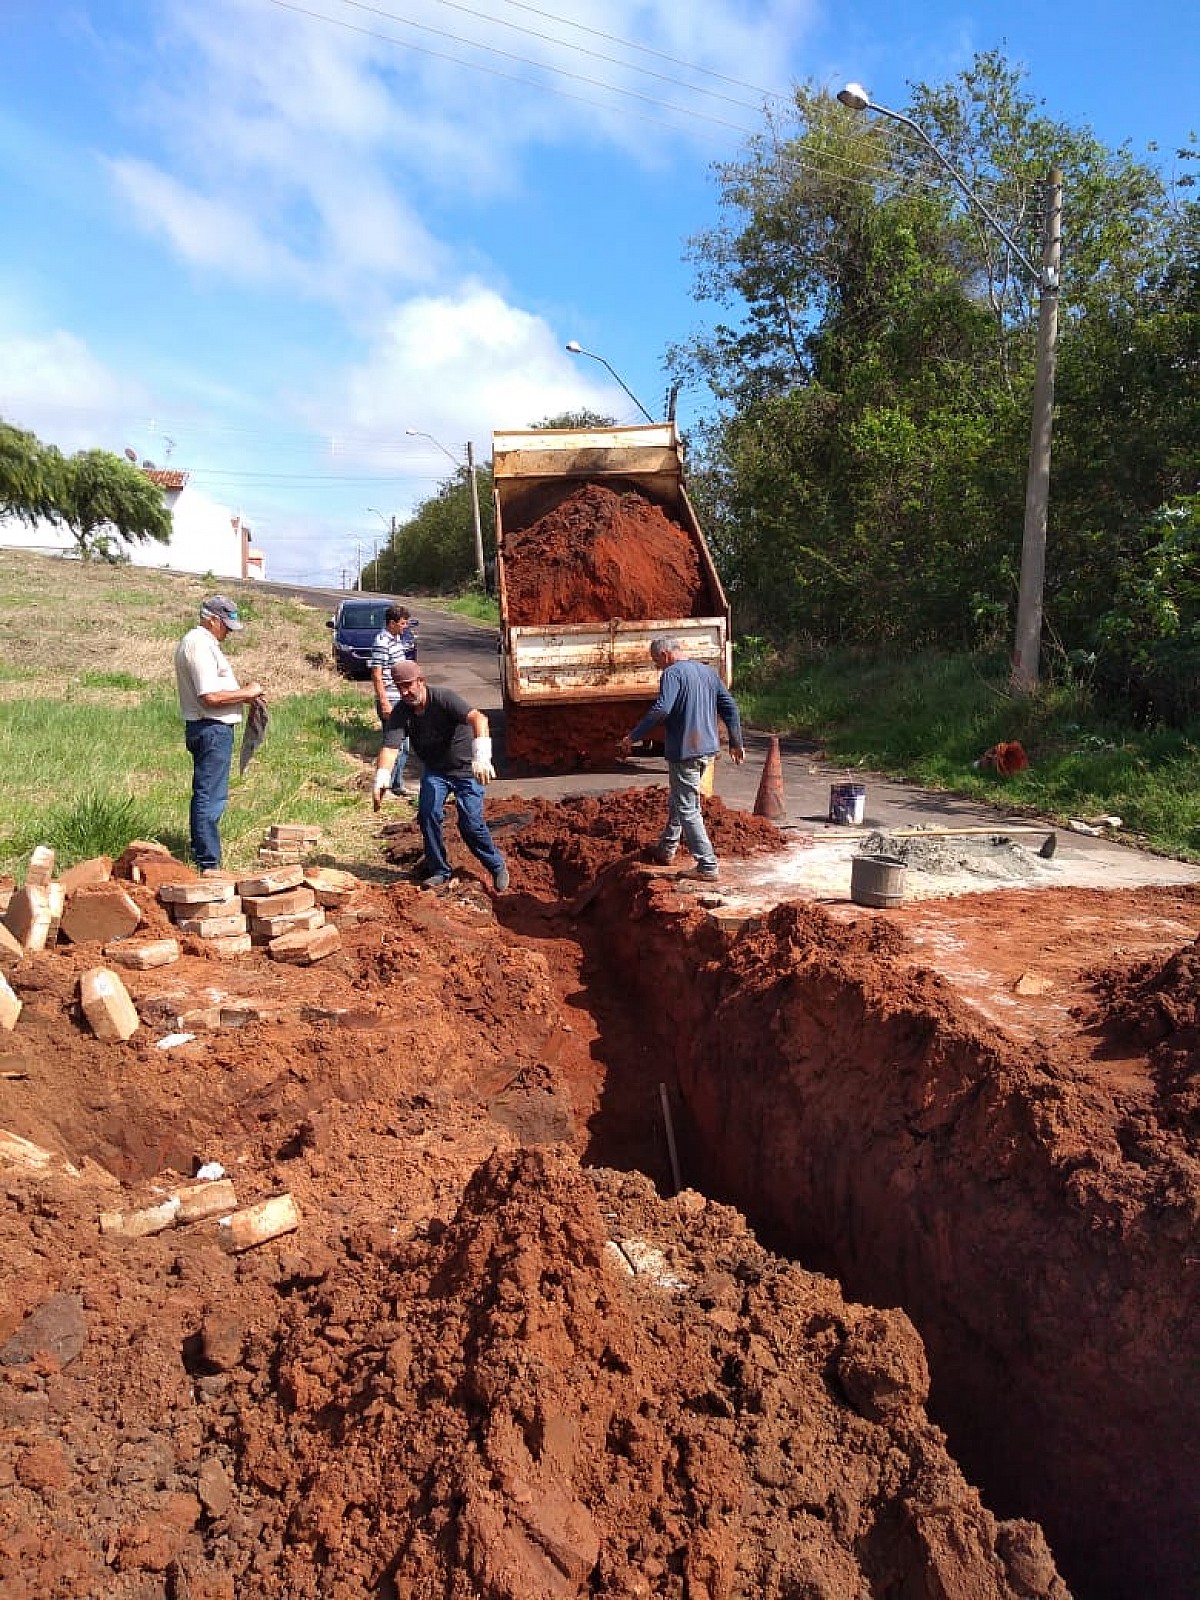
(462,655)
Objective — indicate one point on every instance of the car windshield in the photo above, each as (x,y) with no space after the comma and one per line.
(362,614)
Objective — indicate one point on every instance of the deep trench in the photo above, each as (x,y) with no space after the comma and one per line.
(791,1096)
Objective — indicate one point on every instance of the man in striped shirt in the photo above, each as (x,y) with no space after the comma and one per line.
(397,642)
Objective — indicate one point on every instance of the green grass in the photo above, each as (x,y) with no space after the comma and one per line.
(927,719)
(111,680)
(87,779)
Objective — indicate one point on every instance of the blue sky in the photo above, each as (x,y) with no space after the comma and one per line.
(262,240)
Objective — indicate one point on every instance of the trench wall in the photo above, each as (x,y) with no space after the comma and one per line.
(866,1126)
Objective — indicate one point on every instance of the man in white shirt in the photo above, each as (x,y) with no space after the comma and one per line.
(211,702)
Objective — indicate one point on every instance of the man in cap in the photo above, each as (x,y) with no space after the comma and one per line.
(211,703)
(691,699)
(453,743)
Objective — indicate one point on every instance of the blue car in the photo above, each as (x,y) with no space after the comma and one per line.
(355,626)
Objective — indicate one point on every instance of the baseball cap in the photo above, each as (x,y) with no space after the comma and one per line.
(224,610)
(405,672)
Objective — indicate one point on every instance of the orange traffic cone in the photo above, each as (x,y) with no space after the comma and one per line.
(768,802)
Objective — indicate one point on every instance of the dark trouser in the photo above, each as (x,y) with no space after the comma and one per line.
(468,796)
(210,745)
(401,756)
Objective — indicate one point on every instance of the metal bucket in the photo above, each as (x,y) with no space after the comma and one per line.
(877,881)
(847,803)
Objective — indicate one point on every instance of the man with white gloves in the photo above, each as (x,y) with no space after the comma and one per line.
(453,744)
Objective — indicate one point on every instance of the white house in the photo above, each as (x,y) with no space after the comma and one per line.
(205,536)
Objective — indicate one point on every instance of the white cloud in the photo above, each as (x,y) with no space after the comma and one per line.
(54,387)
(460,365)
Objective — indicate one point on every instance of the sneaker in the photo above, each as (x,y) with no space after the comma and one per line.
(500,879)
(703,874)
(436,880)
(663,857)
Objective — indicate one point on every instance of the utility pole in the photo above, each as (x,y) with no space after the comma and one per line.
(1027,646)
(1027,642)
(475,509)
(358,566)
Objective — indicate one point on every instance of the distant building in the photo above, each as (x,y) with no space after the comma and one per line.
(205,536)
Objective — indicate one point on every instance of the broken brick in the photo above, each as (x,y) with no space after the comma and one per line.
(302,948)
(102,912)
(272,882)
(213,927)
(96,870)
(281,904)
(106,1004)
(10,1006)
(34,913)
(41,866)
(141,954)
(198,891)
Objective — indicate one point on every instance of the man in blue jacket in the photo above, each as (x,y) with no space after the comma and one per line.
(690,699)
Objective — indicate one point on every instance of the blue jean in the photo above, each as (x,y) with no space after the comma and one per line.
(684,815)
(210,745)
(431,804)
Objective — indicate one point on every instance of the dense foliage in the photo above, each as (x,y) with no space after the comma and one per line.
(863,476)
(105,502)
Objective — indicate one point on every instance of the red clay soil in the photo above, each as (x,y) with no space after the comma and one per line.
(600,554)
(491,1364)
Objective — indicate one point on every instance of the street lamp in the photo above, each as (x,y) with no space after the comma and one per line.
(415,433)
(577,349)
(1028,643)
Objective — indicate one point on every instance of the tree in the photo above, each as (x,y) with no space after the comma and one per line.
(29,475)
(435,549)
(104,501)
(873,358)
(107,503)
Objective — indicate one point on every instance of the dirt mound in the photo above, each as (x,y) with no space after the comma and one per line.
(600,554)
(489,1364)
(557,850)
(1156,1005)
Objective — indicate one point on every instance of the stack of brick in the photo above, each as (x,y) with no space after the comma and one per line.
(285,843)
(285,917)
(210,909)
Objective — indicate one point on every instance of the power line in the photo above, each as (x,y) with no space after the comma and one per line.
(386,38)
(871,174)
(644,49)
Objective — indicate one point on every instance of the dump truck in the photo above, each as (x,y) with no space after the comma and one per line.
(598,551)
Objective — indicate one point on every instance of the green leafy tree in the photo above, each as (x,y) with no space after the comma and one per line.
(434,551)
(105,502)
(29,475)
(872,361)
(109,504)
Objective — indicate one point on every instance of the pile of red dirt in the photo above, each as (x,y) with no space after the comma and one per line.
(494,1362)
(600,554)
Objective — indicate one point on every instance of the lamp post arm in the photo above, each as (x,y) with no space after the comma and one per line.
(626,388)
(1041,276)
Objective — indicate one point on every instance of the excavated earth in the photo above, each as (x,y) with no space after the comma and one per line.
(598,551)
(824,1253)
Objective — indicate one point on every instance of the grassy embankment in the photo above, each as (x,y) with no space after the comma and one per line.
(91,745)
(91,749)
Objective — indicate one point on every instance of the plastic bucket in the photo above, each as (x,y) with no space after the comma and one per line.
(847,803)
(877,881)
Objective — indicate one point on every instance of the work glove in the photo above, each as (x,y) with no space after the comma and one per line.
(381,785)
(482,769)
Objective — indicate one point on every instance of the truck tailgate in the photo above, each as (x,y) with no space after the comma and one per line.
(583,661)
